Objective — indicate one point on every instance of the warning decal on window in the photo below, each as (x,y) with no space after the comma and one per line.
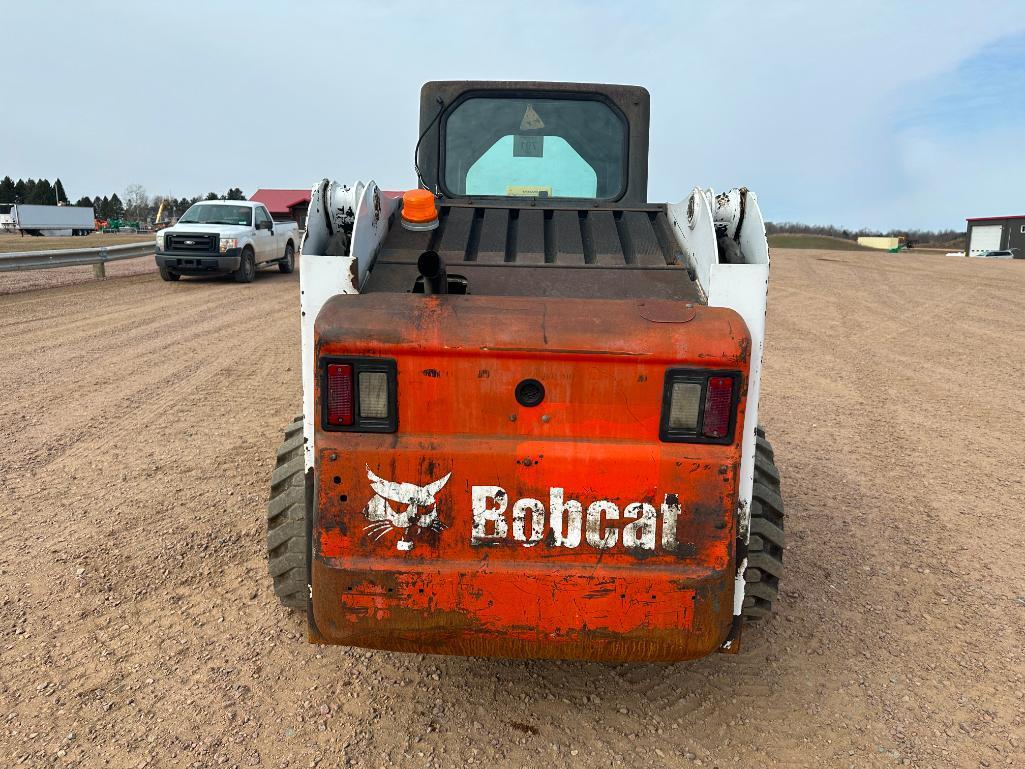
(528,191)
(531,120)
(528,146)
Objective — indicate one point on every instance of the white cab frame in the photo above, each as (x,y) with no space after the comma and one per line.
(741,287)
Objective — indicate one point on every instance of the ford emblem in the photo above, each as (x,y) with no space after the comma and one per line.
(190,242)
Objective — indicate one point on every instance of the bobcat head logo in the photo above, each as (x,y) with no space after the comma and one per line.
(417,509)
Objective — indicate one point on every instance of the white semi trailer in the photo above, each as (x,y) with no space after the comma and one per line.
(47,220)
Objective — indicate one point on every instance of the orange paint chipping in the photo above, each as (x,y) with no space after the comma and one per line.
(565,529)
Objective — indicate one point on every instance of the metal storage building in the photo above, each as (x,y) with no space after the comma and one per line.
(996,233)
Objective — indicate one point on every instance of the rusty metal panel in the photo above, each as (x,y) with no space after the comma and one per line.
(644,245)
(562,530)
(492,244)
(568,247)
(401,241)
(554,281)
(455,235)
(607,247)
(573,237)
(530,237)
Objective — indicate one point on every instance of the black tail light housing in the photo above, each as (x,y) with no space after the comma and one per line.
(358,395)
(700,406)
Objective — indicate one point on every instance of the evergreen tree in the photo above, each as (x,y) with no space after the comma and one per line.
(20,192)
(234,194)
(117,208)
(211,196)
(7,190)
(84,202)
(58,190)
(42,193)
(104,208)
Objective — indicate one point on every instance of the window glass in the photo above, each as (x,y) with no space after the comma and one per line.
(208,214)
(563,148)
(556,170)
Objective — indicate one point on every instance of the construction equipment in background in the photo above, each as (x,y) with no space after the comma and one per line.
(121,225)
(159,222)
(530,396)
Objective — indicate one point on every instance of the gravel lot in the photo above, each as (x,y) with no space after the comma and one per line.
(10,241)
(13,282)
(138,628)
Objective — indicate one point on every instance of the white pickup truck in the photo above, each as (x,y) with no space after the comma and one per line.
(221,237)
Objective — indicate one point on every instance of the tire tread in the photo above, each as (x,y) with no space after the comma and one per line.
(765,547)
(286,520)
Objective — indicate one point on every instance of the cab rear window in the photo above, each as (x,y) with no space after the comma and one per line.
(571,147)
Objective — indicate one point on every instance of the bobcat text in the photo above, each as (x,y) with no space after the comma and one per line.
(566,522)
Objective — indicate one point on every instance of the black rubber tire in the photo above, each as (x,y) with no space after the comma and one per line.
(246,271)
(765,548)
(287,263)
(166,274)
(286,521)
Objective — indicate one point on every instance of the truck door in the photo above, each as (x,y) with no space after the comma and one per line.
(263,236)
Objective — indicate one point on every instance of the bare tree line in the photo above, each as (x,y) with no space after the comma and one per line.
(922,237)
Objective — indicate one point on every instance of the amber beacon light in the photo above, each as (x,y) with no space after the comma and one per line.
(418,210)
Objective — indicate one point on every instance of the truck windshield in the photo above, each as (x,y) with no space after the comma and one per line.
(544,147)
(208,214)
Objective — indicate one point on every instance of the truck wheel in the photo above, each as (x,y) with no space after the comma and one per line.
(765,549)
(286,521)
(246,271)
(166,274)
(287,264)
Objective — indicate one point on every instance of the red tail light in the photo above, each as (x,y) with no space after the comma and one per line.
(340,401)
(359,394)
(699,406)
(718,407)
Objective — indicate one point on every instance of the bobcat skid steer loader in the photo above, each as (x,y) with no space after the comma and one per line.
(530,396)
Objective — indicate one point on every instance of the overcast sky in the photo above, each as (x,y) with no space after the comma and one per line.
(879,115)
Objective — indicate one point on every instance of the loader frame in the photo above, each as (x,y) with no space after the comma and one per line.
(348,223)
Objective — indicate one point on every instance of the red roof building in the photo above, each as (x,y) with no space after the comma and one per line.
(285,204)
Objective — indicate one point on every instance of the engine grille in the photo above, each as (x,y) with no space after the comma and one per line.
(638,237)
(601,251)
(183,242)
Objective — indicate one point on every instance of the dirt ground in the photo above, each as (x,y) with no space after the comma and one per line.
(138,627)
(13,282)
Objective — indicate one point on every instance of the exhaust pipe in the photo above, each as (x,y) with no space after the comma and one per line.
(432,269)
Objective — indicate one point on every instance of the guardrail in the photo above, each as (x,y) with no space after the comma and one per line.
(75,257)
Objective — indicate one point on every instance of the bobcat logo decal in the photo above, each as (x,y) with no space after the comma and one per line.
(418,509)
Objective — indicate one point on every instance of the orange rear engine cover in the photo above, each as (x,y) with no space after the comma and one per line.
(566,529)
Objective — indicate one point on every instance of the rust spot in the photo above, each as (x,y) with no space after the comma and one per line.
(519,596)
